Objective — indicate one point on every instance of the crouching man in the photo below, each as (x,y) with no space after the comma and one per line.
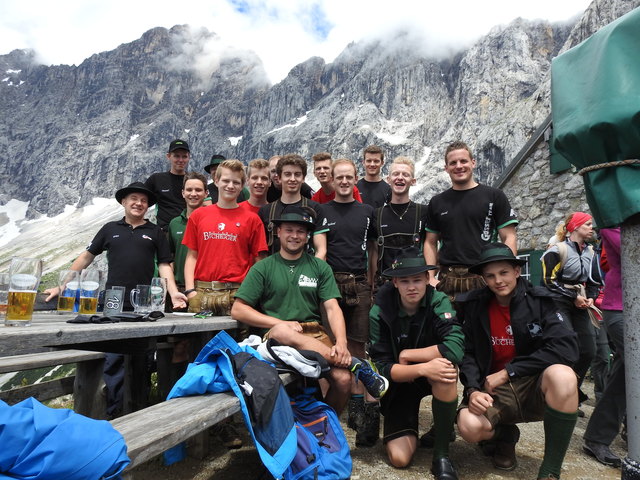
(282,296)
(517,363)
(416,343)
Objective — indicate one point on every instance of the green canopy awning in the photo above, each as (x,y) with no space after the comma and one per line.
(595,97)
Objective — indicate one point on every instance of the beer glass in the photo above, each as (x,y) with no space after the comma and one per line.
(69,283)
(158,293)
(141,299)
(24,278)
(4,293)
(89,290)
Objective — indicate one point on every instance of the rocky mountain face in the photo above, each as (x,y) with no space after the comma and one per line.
(77,132)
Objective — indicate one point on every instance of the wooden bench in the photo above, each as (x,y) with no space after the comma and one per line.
(151,431)
(86,385)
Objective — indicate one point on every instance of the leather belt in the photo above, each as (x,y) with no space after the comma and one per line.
(217,285)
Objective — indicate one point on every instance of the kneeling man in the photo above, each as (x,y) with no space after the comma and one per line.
(416,343)
(517,363)
(282,295)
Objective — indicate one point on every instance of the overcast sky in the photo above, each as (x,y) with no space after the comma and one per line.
(282,32)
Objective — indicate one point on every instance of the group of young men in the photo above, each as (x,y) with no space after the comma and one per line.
(363,264)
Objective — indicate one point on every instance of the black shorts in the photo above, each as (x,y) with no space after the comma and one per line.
(517,401)
(401,406)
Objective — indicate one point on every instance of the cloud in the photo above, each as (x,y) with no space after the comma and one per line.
(282,32)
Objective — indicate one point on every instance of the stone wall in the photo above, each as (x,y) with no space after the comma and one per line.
(542,199)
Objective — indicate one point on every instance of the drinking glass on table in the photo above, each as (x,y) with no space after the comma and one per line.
(24,278)
(89,291)
(69,284)
(158,293)
(4,293)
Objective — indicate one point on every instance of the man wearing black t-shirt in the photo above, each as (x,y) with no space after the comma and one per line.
(291,170)
(167,186)
(399,223)
(275,189)
(351,235)
(132,244)
(463,219)
(373,189)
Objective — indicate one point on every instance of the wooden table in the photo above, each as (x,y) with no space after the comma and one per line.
(50,330)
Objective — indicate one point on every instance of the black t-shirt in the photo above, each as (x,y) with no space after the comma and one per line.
(273,210)
(375,194)
(466,220)
(399,225)
(131,253)
(350,226)
(168,190)
(274,193)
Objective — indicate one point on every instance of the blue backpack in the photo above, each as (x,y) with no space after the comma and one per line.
(323,452)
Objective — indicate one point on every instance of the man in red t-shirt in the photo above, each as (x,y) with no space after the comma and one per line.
(517,363)
(224,241)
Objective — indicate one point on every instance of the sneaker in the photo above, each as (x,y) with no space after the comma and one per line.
(602,453)
(373,382)
(368,432)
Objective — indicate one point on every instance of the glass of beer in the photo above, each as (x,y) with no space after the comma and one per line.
(69,284)
(24,278)
(4,293)
(89,290)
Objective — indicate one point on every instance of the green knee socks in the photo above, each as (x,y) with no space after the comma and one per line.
(444,414)
(558,428)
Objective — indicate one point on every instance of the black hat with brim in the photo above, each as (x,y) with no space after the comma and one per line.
(136,187)
(299,217)
(215,160)
(495,252)
(407,266)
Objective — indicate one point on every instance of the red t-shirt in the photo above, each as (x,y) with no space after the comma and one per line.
(227,242)
(247,206)
(503,346)
(322,197)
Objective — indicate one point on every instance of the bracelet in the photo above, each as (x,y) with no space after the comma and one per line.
(187,292)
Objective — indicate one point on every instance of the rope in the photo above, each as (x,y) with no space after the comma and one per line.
(617,163)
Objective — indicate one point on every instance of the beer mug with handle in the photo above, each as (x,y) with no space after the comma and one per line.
(24,278)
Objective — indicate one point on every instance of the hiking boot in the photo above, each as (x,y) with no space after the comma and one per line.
(428,439)
(602,453)
(369,431)
(355,413)
(373,382)
(442,469)
(504,456)
(229,436)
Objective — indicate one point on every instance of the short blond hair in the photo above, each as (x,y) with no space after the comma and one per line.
(341,161)
(257,163)
(233,165)
(404,161)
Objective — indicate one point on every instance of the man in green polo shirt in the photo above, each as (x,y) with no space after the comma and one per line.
(282,295)
(194,190)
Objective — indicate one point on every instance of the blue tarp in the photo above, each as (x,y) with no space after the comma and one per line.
(42,443)
(212,372)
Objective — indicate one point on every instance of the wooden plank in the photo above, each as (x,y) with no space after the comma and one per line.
(46,359)
(52,330)
(89,398)
(151,431)
(41,391)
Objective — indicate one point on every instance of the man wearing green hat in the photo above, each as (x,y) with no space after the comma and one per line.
(216,160)
(416,343)
(282,295)
(517,363)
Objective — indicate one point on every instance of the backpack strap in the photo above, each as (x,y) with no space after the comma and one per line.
(270,225)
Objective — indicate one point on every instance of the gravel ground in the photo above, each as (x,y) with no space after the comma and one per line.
(370,463)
